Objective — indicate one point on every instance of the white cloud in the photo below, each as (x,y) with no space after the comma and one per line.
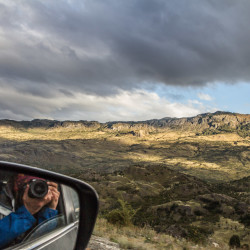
(133,105)
(205,97)
(194,102)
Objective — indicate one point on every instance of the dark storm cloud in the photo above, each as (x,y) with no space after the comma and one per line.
(101,46)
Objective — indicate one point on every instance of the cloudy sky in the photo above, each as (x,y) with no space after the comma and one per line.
(109,60)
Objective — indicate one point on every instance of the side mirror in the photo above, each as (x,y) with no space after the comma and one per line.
(40,209)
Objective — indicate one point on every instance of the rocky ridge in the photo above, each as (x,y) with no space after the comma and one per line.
(99,243)
(214,121)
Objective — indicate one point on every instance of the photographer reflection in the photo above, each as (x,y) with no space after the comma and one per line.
(25,201)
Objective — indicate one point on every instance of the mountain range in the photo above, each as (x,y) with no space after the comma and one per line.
(200,122)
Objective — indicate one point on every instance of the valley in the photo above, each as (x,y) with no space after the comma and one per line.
(188,177)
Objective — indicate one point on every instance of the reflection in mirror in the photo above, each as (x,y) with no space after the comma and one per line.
(37,211)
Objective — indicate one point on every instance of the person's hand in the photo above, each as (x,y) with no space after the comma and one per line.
(33,205)
(54,195)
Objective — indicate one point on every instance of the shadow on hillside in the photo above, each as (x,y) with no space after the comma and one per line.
(75,156)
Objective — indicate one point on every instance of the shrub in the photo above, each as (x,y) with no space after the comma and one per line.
(234,241)
(197,234)
(226,128)
(245,220)
(244,130)
(123,215)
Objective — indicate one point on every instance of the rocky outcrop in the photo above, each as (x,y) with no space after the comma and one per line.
(203,121)
(50,124)
(209,123)
(215,121)
(98,243)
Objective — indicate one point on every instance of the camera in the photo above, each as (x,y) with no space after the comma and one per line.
(37,188)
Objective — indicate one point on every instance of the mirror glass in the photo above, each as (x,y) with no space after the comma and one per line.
(37,212)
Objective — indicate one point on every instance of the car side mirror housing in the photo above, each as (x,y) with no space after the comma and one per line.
(59,211)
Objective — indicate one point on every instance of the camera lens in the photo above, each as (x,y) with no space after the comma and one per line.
(38,188)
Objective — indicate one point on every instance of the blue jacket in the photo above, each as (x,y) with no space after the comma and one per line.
(20,221)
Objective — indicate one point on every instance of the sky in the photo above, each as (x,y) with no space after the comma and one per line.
(116,60)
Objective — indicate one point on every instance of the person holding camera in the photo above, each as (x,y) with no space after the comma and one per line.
(25,202)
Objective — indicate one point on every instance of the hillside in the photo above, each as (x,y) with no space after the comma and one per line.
(186,177)
(174,203)
(213,154)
